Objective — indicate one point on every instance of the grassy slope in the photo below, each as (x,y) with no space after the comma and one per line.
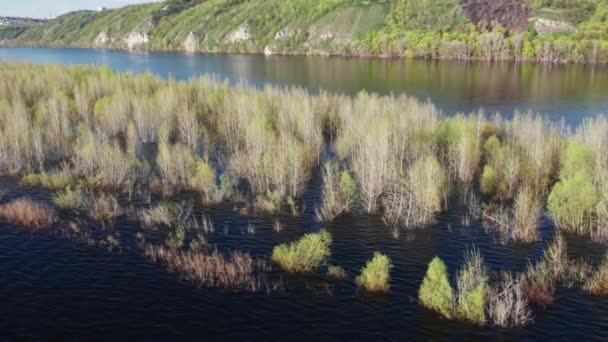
(421,28)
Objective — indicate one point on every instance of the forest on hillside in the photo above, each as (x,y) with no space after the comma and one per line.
(532,30)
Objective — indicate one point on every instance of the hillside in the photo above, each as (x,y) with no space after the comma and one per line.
(541,30)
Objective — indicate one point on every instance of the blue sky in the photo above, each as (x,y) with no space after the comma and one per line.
(42,8)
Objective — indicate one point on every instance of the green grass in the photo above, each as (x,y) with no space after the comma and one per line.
(304,255)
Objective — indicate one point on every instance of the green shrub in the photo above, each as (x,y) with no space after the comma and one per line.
(472,288)
(303,255)
(578,158)
(176,239)
(203,178)
(70,199)
(488,180)
(573,201)
(51,181)
(375,276)
(435,292)
(336,272)
(348,186)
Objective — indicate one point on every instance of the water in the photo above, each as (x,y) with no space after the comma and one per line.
(56,285)
(571,92)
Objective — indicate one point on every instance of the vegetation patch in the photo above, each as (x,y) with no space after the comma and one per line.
(375,275)
(237,271)
(304,255)
(28,213)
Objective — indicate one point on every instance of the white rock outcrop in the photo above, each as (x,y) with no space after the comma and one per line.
(548,26)
(268,50)
(242,33)
(136,39)
(190,44)
(102,38)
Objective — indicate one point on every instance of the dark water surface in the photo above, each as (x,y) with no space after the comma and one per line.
(559,91)
(69,286)
(56,286)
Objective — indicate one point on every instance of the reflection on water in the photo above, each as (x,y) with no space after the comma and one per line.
(569,91)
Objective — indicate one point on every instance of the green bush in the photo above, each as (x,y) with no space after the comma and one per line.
(203,178)
(71,199)
(176,239)
(303,255)
(435,292)
(51,181)
(488,180)
(472,288)
(578,158)
(375,276)
(573,201)
(348,186)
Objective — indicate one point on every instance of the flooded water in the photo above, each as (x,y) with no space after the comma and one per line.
(73,287)
(57,284)
(571,92)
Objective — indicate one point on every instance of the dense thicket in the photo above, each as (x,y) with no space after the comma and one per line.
(85,128)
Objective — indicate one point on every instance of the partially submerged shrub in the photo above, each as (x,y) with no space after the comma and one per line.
(237,271)
(472,283)
(339,192)
(303,255)
(526,214)
(574,199)
(71,199)
(539,291)
(26,212)
(51,181)
(175,240)
(598,284)
(162,214)
(508,304)
(375,276)
(105,208)
(519,223)
(336,272)
(415,199)
(573,202)
(435,291)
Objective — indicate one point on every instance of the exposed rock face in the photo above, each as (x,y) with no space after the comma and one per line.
(511,14)
(102,38)
(268,50)
(190,43)
(240,34)
(136,39)
(547,26)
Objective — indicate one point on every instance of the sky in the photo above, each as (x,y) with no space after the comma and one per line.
(44,8)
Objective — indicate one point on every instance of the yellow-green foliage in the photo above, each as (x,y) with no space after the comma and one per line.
(303,255)
(598,283)
(574,199)
(472,289)
(204,177)
(435,292)
(71,199)
(348,186)
(51,181)
(488,180)
(375,276)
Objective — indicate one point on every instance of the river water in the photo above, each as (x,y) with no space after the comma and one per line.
(69,286)
(559,91)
